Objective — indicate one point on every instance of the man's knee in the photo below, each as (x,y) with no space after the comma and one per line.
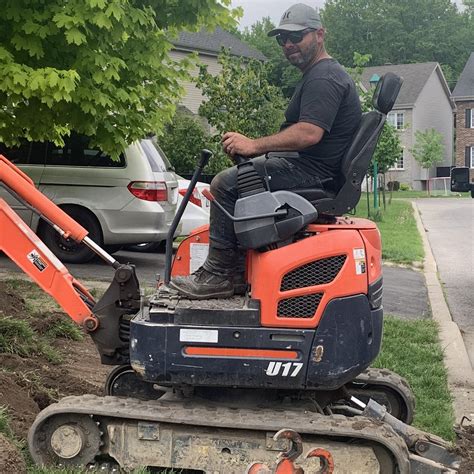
(224,181)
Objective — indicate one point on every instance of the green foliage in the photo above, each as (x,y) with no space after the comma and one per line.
(404,187)
(4,423)
(182,141)
(280,72)
(429,148)
(239,99)
(16,337)
(99,67)
(400,32)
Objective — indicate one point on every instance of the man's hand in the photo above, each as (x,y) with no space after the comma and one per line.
(237,144)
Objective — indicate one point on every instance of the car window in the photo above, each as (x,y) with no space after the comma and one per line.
(27,153)
(77,151)
(157,159)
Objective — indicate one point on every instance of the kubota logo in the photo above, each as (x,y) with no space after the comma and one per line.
(289,369)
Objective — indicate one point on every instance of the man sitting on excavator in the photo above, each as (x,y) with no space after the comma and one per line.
(320,120)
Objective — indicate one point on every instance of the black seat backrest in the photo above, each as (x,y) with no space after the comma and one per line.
(356,161)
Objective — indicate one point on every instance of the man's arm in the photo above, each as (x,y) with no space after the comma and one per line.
(295,137)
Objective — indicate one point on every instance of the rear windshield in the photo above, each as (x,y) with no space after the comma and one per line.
(158,161)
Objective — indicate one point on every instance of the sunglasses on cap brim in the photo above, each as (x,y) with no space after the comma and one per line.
(293,36)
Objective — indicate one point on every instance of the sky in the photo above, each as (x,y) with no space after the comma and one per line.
(257,9)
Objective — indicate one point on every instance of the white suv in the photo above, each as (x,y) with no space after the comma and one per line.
(127,201)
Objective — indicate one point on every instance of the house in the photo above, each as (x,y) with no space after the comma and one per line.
(208,45)
(424,102)
(463,95)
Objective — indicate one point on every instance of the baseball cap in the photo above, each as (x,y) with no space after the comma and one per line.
(298,17)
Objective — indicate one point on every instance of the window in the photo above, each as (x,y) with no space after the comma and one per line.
(399,164)
(157,159)
(78,152)
(27,153)
(396,119)
(469,118)
(472,157)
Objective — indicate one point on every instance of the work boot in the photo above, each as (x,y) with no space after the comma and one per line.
(240,284)
(202,285)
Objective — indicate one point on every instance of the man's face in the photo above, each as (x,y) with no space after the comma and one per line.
(301,54)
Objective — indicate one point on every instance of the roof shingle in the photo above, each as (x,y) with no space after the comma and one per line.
(414,78)
(465,85)
(213,41)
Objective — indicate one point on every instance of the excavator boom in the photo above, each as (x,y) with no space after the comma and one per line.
(22,245)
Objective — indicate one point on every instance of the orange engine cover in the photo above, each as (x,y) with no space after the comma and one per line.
(294,283)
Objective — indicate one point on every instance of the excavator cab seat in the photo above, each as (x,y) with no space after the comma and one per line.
(257,223)
(357,158)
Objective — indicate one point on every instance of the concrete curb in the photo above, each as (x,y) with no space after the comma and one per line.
(456,358)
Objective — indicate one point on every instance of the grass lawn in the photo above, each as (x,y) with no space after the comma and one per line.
(412,350)
(401,242)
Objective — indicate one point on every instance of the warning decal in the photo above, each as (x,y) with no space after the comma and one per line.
(359,258)
(35,258)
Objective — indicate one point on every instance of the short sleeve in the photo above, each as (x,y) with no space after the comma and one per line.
(320,102)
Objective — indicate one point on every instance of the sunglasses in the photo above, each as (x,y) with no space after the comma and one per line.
(294,36)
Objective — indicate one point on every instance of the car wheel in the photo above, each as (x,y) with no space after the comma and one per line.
(67,250)
(147,247)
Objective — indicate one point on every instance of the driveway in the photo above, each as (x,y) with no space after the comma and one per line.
(449,224)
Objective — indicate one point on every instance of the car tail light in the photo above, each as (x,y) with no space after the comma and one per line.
(149,190)
(195,198)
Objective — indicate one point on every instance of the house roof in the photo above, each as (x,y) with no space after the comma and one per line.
(414,77)
(211,42)
(465,86)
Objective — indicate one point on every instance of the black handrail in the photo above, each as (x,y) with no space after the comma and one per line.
(205,157)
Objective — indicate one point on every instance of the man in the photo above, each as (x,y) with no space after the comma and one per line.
(320,121)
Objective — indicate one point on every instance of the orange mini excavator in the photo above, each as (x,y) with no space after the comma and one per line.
(244,384)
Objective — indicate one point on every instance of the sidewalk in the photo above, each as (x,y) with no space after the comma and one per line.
(456,358)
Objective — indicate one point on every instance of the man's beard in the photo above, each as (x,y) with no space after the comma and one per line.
(304,58)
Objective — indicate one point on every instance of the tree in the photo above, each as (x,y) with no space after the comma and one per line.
(182,141)
(239,99)
(429,148)
(399,32)
(280,72)
(101,68)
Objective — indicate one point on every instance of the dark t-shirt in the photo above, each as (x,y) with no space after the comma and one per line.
(325,96)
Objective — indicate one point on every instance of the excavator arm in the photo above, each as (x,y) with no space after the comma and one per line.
(107,320)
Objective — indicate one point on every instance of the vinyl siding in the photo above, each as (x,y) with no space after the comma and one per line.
(193,97)
(433,110)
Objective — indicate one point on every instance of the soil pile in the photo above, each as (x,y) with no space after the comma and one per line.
(32,379)
(11,461)
(465,448)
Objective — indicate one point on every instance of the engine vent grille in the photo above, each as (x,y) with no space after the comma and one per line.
(299,306)
(314,273)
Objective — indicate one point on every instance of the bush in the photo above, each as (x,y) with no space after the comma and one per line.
(393,185)
(182,141)
(404,187)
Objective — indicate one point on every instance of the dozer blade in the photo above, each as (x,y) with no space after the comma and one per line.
(206,438)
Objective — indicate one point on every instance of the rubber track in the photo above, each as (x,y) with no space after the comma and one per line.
(392,380)
(205,414)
